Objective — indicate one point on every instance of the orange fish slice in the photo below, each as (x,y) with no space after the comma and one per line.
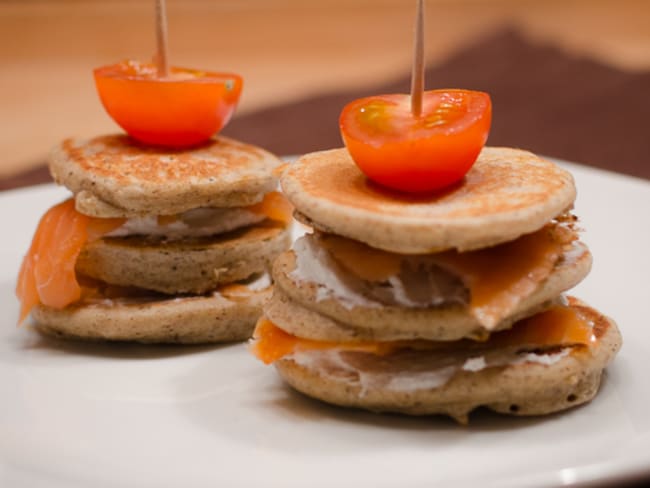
(271,343)
(56,256)
(275,206)
(499,277)
(558,326)
(47,274)
(26,289)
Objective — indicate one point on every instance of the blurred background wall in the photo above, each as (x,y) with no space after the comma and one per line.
(286,49)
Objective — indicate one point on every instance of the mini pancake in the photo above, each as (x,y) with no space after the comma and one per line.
(522,388)
(115,176)
(191,265)
(507,193)
(295,303)
(218,317)
(394,324)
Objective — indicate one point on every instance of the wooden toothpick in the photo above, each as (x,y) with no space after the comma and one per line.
(417,75)
(161,39)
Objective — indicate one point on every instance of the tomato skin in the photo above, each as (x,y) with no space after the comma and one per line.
(181,110)
(416,155)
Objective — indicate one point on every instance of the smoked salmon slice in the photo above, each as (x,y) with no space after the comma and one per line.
(498,278)
(275,206)
(560,326)
(47,274)
(271,343)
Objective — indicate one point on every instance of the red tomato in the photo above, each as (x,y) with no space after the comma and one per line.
(183,109)
(417,154)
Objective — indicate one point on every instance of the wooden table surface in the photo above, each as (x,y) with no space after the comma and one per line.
(284,48)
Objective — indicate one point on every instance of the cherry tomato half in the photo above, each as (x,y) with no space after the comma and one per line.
(183,109)
(417,154)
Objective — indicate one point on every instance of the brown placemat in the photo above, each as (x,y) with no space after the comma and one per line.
(34,176)
(546,100)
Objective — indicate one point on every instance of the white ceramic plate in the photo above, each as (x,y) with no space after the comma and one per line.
(78,415)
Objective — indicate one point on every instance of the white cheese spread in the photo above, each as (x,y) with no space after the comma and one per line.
(197,222)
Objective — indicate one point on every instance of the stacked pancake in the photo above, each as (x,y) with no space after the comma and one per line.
(437,304)
(185,240)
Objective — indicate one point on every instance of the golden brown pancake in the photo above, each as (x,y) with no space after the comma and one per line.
(525,387)
(192,265)
(115,176)
(185,233)
(339,306)
(507,193)
(302,310)
(217,317)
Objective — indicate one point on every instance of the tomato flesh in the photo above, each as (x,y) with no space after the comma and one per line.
(180,110)
(417,154)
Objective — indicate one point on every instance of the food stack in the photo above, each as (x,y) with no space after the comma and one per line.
(438,303)
(156,244)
